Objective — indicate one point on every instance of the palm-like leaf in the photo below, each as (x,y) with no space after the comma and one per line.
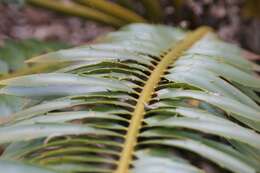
(130,102)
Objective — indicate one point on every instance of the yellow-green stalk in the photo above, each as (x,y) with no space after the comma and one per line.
(78,10)
(114,10)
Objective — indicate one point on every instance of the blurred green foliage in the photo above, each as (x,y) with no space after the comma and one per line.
(14,53)
(12,57)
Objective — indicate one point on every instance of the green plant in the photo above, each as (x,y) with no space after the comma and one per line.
(14,53)
(12,57)
(147,98)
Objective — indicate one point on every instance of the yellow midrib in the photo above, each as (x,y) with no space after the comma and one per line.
(146,94)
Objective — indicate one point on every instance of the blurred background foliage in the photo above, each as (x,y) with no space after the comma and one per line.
(80,21)
(12,57)
(14,53)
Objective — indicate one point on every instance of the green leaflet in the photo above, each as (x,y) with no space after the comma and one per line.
(28,132)
(69,116)
(200,120)
(155,161)
(227,71)
(59,84)
(227,104)
(226,52)
(209,81)
(225,160)
(13,167)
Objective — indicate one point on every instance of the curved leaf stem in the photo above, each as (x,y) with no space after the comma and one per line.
(147,92)
(114,9)
(79,10)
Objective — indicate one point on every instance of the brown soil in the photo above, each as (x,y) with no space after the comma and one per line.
(31,22)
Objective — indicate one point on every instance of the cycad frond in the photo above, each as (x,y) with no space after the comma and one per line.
(140,100)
